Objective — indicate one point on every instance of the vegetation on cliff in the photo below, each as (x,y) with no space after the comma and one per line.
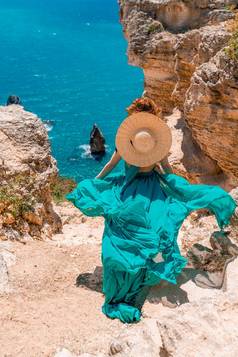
(13,202)
(60,187)
(232,49)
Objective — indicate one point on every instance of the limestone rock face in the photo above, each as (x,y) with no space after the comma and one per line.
(211,108)
(179,45)
(26,172)
(169,39)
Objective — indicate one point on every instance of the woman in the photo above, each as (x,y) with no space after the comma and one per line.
(143,104)
(143,210)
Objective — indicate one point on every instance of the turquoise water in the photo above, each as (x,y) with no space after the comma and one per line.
(67,61)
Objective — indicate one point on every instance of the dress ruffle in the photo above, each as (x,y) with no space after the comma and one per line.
(143,214)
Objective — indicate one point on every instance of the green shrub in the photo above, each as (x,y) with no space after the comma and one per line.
(230,7)
(155,27)
(60,187)
(232,49)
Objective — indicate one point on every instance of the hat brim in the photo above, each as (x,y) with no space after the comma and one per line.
(138,122)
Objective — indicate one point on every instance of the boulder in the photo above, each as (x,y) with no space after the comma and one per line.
(13,99)
(4,281)
(27,170)
(97,142)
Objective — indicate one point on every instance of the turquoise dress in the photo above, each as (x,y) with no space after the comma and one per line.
(143,214)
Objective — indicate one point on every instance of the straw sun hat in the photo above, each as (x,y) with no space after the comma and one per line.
(143,139)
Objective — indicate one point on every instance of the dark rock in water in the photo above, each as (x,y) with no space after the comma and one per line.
(97,142)
(13,99)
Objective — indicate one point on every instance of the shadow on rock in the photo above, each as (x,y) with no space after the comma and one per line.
(171,295)
(92,281)
(207,268)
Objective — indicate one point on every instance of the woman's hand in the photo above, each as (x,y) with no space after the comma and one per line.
(166,166)
(109,165)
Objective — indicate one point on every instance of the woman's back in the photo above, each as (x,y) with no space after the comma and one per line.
(141,169)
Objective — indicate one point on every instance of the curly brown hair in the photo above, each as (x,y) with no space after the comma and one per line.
(143,104)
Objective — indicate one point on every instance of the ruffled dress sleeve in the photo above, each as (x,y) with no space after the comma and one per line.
(99,197)
(198,196)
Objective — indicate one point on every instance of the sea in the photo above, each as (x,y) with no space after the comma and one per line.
(67,61)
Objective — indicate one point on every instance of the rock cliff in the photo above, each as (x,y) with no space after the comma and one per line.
(180,44)
(26,172)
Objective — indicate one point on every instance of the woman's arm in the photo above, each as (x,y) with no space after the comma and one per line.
(109,165)
(166,166)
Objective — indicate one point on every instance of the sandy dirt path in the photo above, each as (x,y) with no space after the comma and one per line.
(46,309)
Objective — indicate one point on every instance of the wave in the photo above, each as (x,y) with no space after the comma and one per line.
(83,152)
(86,151)
(49,125)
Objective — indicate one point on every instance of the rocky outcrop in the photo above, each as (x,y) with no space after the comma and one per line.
(180,44)
(97,142)
(26,172)
(169,39)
